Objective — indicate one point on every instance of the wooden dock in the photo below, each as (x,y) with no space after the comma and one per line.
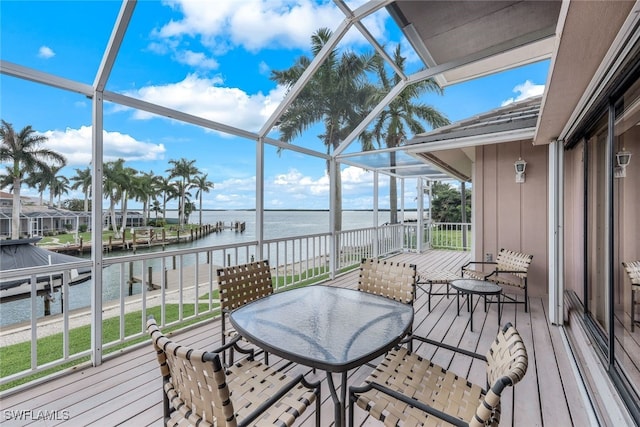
(141,239)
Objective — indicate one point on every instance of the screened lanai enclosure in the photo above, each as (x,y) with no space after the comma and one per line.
(326,108)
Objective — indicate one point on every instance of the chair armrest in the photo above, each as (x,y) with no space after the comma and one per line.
(409,401)
(447,347)
(464,267)
(298,379)
(512,271)
(234,343)
(496,272)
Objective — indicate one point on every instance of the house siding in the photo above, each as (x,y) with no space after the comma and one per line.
(511,215)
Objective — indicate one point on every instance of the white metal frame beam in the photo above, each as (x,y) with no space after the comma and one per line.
(438,69)
(351,17)
(26,73)
(115,42)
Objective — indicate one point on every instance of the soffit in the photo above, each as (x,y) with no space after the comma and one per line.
(583,44)
(507,33)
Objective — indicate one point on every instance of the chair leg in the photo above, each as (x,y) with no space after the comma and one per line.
(318,406)
(633,310)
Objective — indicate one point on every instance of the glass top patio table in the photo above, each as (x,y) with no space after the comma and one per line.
(329,328)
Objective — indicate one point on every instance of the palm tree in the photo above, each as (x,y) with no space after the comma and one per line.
(143,189)
(201,183)
(157,208)
(182,188)
(115,181)
(336,95)
(82,180)
(58,185)
(24,153)
(40,181)
(185,170)
(168,192)
(402,117)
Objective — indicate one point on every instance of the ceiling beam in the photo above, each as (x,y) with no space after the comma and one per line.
(19,71)
(113,47)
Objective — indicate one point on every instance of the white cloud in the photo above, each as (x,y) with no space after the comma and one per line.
(196,60)
(206,97)
(525,90)
(46,52)
(75,145)
(258,24)
(264,68)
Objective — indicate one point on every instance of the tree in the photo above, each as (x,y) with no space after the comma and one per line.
(446,203)
(76,205)
(115,182)
(156,208)
(23,152)
(185,170)
(182,187)
(168,192)
(189,207)
(143,188)
(58,185)
(404,116)
(201,183)
(40,181)
(82,180)
(336,95)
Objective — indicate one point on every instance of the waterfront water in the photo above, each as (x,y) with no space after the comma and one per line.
(277,224)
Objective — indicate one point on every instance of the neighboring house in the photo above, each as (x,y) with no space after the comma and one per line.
(39,220)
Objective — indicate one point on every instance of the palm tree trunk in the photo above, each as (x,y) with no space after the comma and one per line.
(15,210)
(114,221)
(124,210)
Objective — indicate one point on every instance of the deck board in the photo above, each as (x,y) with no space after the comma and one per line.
(126,389)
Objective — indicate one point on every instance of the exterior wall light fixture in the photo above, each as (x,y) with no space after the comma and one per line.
(623,158)
(520,166)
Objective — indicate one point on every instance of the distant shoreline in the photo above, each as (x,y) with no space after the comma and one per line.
(289,210)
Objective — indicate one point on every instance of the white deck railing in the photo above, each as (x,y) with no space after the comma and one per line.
(167,284)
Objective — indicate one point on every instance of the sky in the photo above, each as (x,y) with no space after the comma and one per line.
(211,59)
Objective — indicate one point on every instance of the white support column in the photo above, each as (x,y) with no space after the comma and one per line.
(376,238)
(419,217)
(259,197)
(334,243)
(402,195)
(96,230)
(556,230)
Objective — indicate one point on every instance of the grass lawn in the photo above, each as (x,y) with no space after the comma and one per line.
(17,357)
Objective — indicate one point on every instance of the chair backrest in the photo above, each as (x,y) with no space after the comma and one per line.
(633,271)
(194,380)
(395,280)
(241,284)
(507,363)
(507,260)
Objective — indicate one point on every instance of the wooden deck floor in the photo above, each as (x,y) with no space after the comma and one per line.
(126,390)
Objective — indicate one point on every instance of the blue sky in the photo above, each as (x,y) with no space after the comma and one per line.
(211,59)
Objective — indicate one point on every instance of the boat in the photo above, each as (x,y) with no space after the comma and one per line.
(23,253)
